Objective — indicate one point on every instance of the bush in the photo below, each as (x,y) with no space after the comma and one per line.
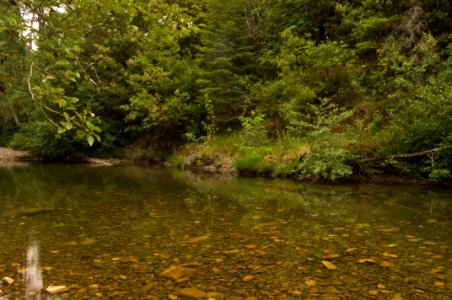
(253,133)
(40,139)
(326,163)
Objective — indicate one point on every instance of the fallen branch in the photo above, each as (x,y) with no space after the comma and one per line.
(402,155)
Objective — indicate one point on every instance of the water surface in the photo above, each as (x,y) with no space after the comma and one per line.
(108,232)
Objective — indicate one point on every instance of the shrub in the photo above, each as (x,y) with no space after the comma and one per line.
(326,163)
(253,133)
(40,138)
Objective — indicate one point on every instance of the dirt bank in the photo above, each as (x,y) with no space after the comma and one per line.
(10,155)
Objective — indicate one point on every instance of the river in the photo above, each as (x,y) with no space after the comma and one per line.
(131,232)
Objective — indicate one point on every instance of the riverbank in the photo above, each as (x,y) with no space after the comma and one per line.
(221,156)
(224,155)
(11,155)
(225,165)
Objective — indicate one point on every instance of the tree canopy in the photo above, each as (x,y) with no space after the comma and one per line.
(368,78)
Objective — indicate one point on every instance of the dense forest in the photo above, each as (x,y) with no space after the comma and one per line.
(318,88)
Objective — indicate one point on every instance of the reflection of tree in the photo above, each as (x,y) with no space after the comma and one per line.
(429,207)
(434,205)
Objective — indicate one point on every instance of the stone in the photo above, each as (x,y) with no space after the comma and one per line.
(198,239)
(215,295)
(367,261)
(310,282)
(234,298)
(192,292)
(56,289)
(7,280)
(329,265)
(176,272)
(387,264)
(182,280)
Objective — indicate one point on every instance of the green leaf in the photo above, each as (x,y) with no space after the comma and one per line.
(61,102)
(90,139)
(69,125)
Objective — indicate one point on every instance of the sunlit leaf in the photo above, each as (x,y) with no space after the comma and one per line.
(90,139)
(61,102)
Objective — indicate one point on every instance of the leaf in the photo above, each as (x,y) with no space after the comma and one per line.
(90,139)
(69,125)
(61,102)
(61,130)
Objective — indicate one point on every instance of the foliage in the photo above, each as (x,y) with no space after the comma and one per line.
(177,160)
(326,163)
(253,162)
(253,133)
(41,139)
(345,80)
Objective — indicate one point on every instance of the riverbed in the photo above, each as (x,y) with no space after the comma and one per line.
(117,232)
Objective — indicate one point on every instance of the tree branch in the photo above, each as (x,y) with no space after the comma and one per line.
(402,155)
(33,97)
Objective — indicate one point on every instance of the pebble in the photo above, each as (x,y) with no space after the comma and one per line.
(56,289)
(7,280)
(192,292)
(176,272)
(216,295)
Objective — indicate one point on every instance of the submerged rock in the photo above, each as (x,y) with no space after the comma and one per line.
(215,295)
(56,289)
(176,272)
(7,281)
(192,292)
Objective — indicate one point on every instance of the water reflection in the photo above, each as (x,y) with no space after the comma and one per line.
(33,274)
(109,233)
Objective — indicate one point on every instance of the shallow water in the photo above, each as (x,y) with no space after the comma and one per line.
(108,232)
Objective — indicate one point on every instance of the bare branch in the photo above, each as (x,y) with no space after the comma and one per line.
(402,155)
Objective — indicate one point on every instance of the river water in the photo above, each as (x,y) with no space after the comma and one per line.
(109,232)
